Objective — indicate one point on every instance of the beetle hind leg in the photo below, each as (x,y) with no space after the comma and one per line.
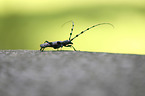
(46,41)
(42,49)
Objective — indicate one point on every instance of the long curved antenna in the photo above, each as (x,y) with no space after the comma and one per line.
(90,28)
(65,23)
(71,30)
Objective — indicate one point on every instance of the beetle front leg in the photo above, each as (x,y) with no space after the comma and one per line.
(71,46)
(74,48)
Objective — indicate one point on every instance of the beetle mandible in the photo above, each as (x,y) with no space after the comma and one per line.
(66,43)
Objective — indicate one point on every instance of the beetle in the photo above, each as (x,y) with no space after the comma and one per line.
(67,43)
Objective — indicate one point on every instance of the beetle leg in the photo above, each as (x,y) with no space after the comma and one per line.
(46,41)
(71,46)
(74,48)
(42,49)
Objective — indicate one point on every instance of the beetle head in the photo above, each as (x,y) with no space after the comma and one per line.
(66,42)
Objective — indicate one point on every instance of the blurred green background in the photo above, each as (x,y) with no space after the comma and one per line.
(25,24)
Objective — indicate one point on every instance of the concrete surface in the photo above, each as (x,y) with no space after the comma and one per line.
(68,73)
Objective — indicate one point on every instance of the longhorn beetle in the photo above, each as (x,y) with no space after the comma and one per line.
(67,43)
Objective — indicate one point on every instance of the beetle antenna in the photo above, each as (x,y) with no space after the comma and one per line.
(65,23)
(71,30)
(90,28)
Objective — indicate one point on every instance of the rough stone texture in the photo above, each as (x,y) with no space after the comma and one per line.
(67,73)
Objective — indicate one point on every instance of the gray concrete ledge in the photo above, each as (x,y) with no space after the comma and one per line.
(68,73)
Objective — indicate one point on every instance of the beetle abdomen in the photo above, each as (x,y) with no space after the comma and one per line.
(45,45)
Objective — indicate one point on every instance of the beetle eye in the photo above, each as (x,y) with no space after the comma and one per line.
(71,42)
